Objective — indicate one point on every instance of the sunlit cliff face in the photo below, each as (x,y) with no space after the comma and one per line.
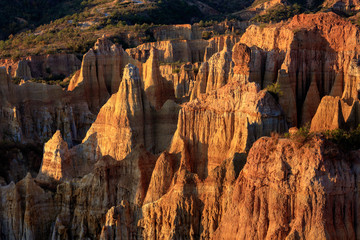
(236,142)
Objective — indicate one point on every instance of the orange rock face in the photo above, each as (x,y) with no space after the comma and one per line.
(334,113)
(305,192)
(101,72)
(124,120)
(318,48)
(123,159)
(193,51)
(213,74)
(157,89)
(193,180)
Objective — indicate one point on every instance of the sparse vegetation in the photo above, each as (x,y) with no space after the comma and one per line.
(176,70)
(206,35)
(279,13)
(302,135)
(75,30)
(275,90)
(209,23)
(347,140)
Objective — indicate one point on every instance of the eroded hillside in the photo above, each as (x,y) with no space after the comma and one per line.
(251,136)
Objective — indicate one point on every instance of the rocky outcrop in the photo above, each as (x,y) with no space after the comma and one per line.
(287,191)
(184,81)
(22,209)
(23,70)
(184,206)
(179,31)
(43,66)
(217,44)
(315,48)
(42,109)
(101,73)
(56,162)
(77,208)
(125,120)
(148,168)
(157,89)
(311,103)
(114,149)
(192,180)
(118,186)
(334,113)
(33,112)
(52,64)
(342,6)
(234,117)
(194,32)
(213,74)
(180,50)
(183,78)
(172,50)
(165,124)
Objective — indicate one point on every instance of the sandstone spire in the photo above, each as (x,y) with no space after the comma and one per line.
(156,88)
(213,74)
(122,121)
(56,163)
(101,72)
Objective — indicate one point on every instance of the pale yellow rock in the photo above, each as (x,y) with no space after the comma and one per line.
(101,73)
(121,122)
(56,162)
(213,74)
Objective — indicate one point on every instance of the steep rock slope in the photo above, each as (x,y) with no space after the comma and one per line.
(22,206)
(213,74)
(234,117)
(192,181)
(184,50)
(334,113)
(125,118)
(287,190)
(33,112)
(184,81)
(319,48)
(124,122)
(101,72)
(157,89)
(112,184)
(42,66)
(56,161)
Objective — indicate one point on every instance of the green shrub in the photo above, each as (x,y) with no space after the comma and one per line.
(206,35)
(275,90)
(176,70)
(278,13)
(303,134)
(347,140)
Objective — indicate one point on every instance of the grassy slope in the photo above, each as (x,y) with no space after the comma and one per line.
(75,32)
(53,26)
